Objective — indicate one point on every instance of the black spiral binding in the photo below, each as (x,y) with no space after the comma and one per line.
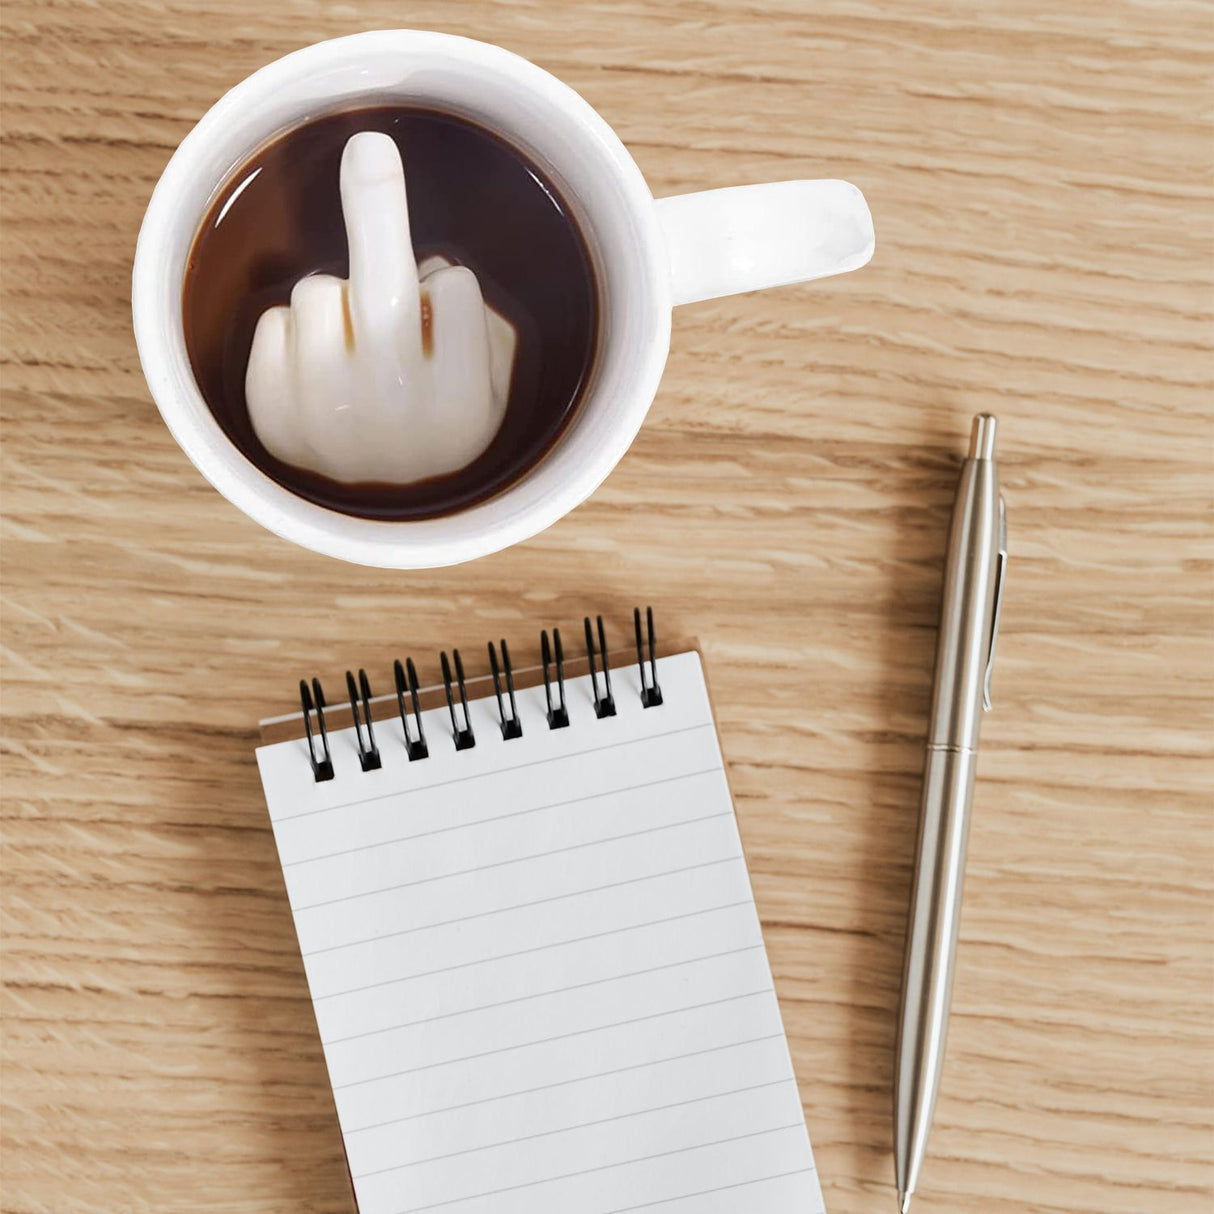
(368,752)
(416,747)
(604,705)
(322,768)
(465,739)
(558,714)
(651,695)
(512,726)
(408,700)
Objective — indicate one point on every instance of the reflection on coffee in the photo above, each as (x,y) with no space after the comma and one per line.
(473,201)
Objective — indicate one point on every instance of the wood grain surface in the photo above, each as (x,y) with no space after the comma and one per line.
(1041,177)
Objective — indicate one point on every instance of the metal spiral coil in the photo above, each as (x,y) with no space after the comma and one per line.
(408,700)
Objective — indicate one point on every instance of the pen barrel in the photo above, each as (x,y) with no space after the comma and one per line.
(931,946)
(967,608)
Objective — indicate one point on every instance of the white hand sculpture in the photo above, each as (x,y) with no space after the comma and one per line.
(400,373)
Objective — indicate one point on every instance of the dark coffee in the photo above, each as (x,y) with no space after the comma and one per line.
(474,199)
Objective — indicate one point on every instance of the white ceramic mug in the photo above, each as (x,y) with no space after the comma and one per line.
(649,255)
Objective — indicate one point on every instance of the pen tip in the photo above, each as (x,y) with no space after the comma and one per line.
(904,1203)
(982,437)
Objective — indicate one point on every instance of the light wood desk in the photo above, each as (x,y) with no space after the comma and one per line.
(1042,193)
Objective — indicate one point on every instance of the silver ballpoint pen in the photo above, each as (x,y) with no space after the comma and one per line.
(969,623)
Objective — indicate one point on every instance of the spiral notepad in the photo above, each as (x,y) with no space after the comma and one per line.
(531,942)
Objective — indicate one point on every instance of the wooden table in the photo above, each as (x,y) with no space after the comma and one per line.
(1041,183)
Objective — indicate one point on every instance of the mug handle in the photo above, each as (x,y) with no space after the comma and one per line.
(745,237)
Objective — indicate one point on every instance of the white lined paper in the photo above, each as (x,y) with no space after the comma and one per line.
(537,967)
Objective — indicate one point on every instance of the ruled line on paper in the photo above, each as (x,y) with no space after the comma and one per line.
(722,1188)
(539,948)
(498,771)
(521,813)
(563,990)
(577,893)
(623,1163)
(522,1045)
(562,1083)
(583,1125)
(481,868)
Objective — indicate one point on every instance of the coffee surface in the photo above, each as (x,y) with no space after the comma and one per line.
(474,199)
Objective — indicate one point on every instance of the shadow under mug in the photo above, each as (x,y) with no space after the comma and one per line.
(649,256)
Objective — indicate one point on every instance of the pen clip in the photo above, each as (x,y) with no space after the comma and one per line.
(1000,579)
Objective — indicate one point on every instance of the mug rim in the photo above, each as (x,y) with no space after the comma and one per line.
(449,539)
